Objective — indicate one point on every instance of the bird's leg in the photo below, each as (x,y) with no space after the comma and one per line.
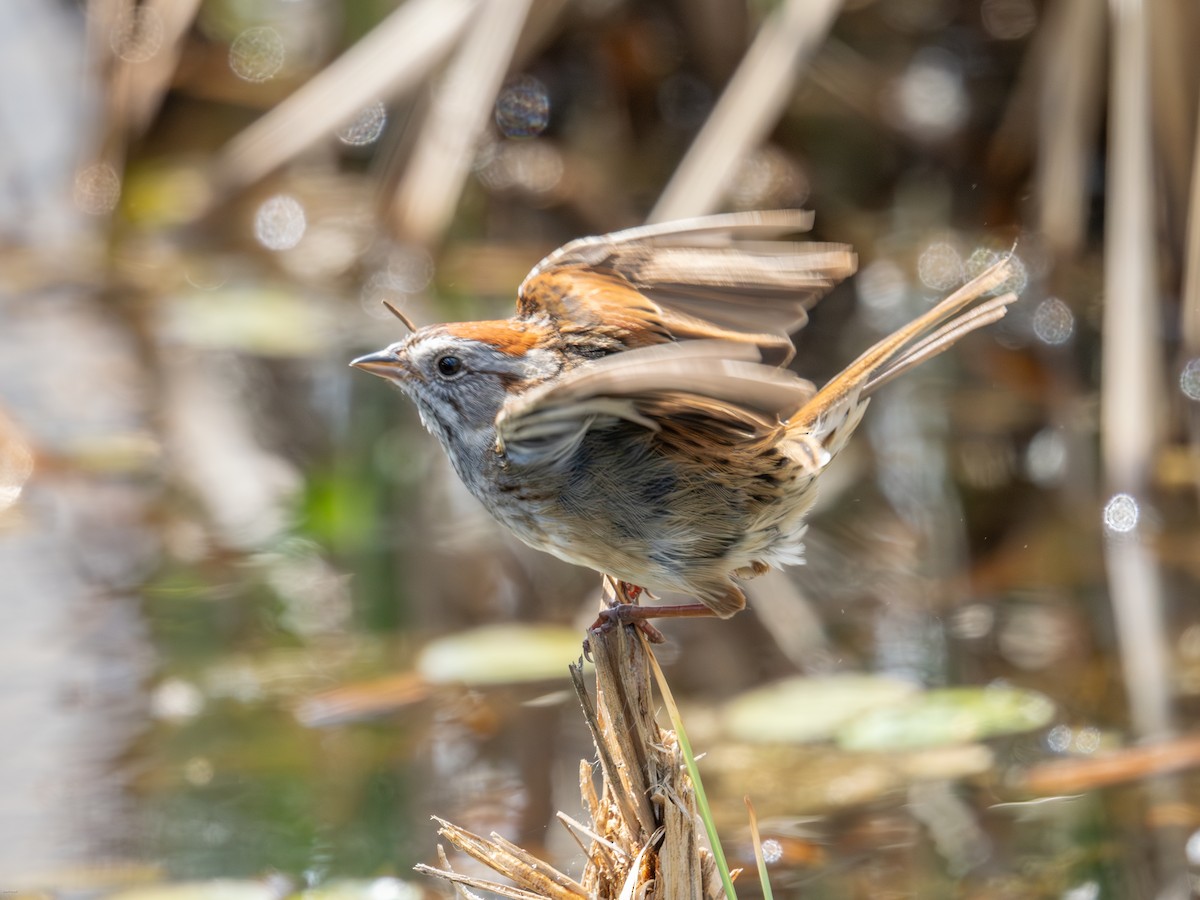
(623,609)
(622,606)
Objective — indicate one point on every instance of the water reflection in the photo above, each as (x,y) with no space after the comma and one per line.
(75,652)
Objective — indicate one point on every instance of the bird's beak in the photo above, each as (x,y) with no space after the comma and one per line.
(383,363)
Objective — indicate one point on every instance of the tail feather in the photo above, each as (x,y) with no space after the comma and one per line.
(931,345)
(724,600)
(923,338)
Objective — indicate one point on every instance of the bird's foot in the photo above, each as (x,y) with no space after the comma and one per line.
(624,609)
(628,614)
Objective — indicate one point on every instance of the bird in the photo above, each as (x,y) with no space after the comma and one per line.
(637,416)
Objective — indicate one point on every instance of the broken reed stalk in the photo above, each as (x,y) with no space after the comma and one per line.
(644,839)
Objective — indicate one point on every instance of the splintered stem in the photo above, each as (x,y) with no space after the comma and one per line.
(644,814)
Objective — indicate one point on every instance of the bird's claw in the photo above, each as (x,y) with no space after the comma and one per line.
(625,614)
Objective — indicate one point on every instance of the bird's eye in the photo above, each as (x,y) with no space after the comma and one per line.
(449,366)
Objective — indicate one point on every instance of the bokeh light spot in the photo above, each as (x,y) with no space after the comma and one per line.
(1088,890)
(366,127)
(983,258)
(198,771)
(535,167)
(1087,740)
(176,700)
(972,622)
(97,189)
(1121,514)
(1058,738)
(256,55)
(1033,637)
(138,35)
(1053,322)
(940,267)
(980,260)
(772,851)
(1193,848)
(1046,457)
(929,100)
(523,108)
(1189,379)
(375,289)
(768,178)
(1084,741)
(881,290)
(279,223)
(410,269)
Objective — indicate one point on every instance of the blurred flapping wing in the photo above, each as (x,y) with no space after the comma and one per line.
(732,277)
(713,395)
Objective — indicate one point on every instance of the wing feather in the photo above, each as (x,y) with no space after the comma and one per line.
(729,277)
(703,231)
(711,385)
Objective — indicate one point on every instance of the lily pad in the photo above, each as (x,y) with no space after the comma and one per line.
(800,710)
(948,716)
(501,654)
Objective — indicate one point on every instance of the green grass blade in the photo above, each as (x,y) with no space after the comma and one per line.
(694,772)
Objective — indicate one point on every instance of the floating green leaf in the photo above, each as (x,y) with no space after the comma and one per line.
(799,710)
(947,716)
(501,654)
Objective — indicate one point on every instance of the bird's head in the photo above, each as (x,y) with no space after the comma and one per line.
(461,374)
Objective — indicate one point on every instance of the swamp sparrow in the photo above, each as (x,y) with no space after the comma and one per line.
(634,415)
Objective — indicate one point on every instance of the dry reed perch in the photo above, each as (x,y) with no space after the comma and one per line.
(644,839)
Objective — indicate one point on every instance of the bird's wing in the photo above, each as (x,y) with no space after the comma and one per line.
(732,277)
(710,397)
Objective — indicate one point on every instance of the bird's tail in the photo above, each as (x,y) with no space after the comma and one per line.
(833,413)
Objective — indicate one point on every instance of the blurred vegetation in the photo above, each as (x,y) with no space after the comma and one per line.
(223,552)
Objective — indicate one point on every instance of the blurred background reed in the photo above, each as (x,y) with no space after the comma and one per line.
(242,592)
